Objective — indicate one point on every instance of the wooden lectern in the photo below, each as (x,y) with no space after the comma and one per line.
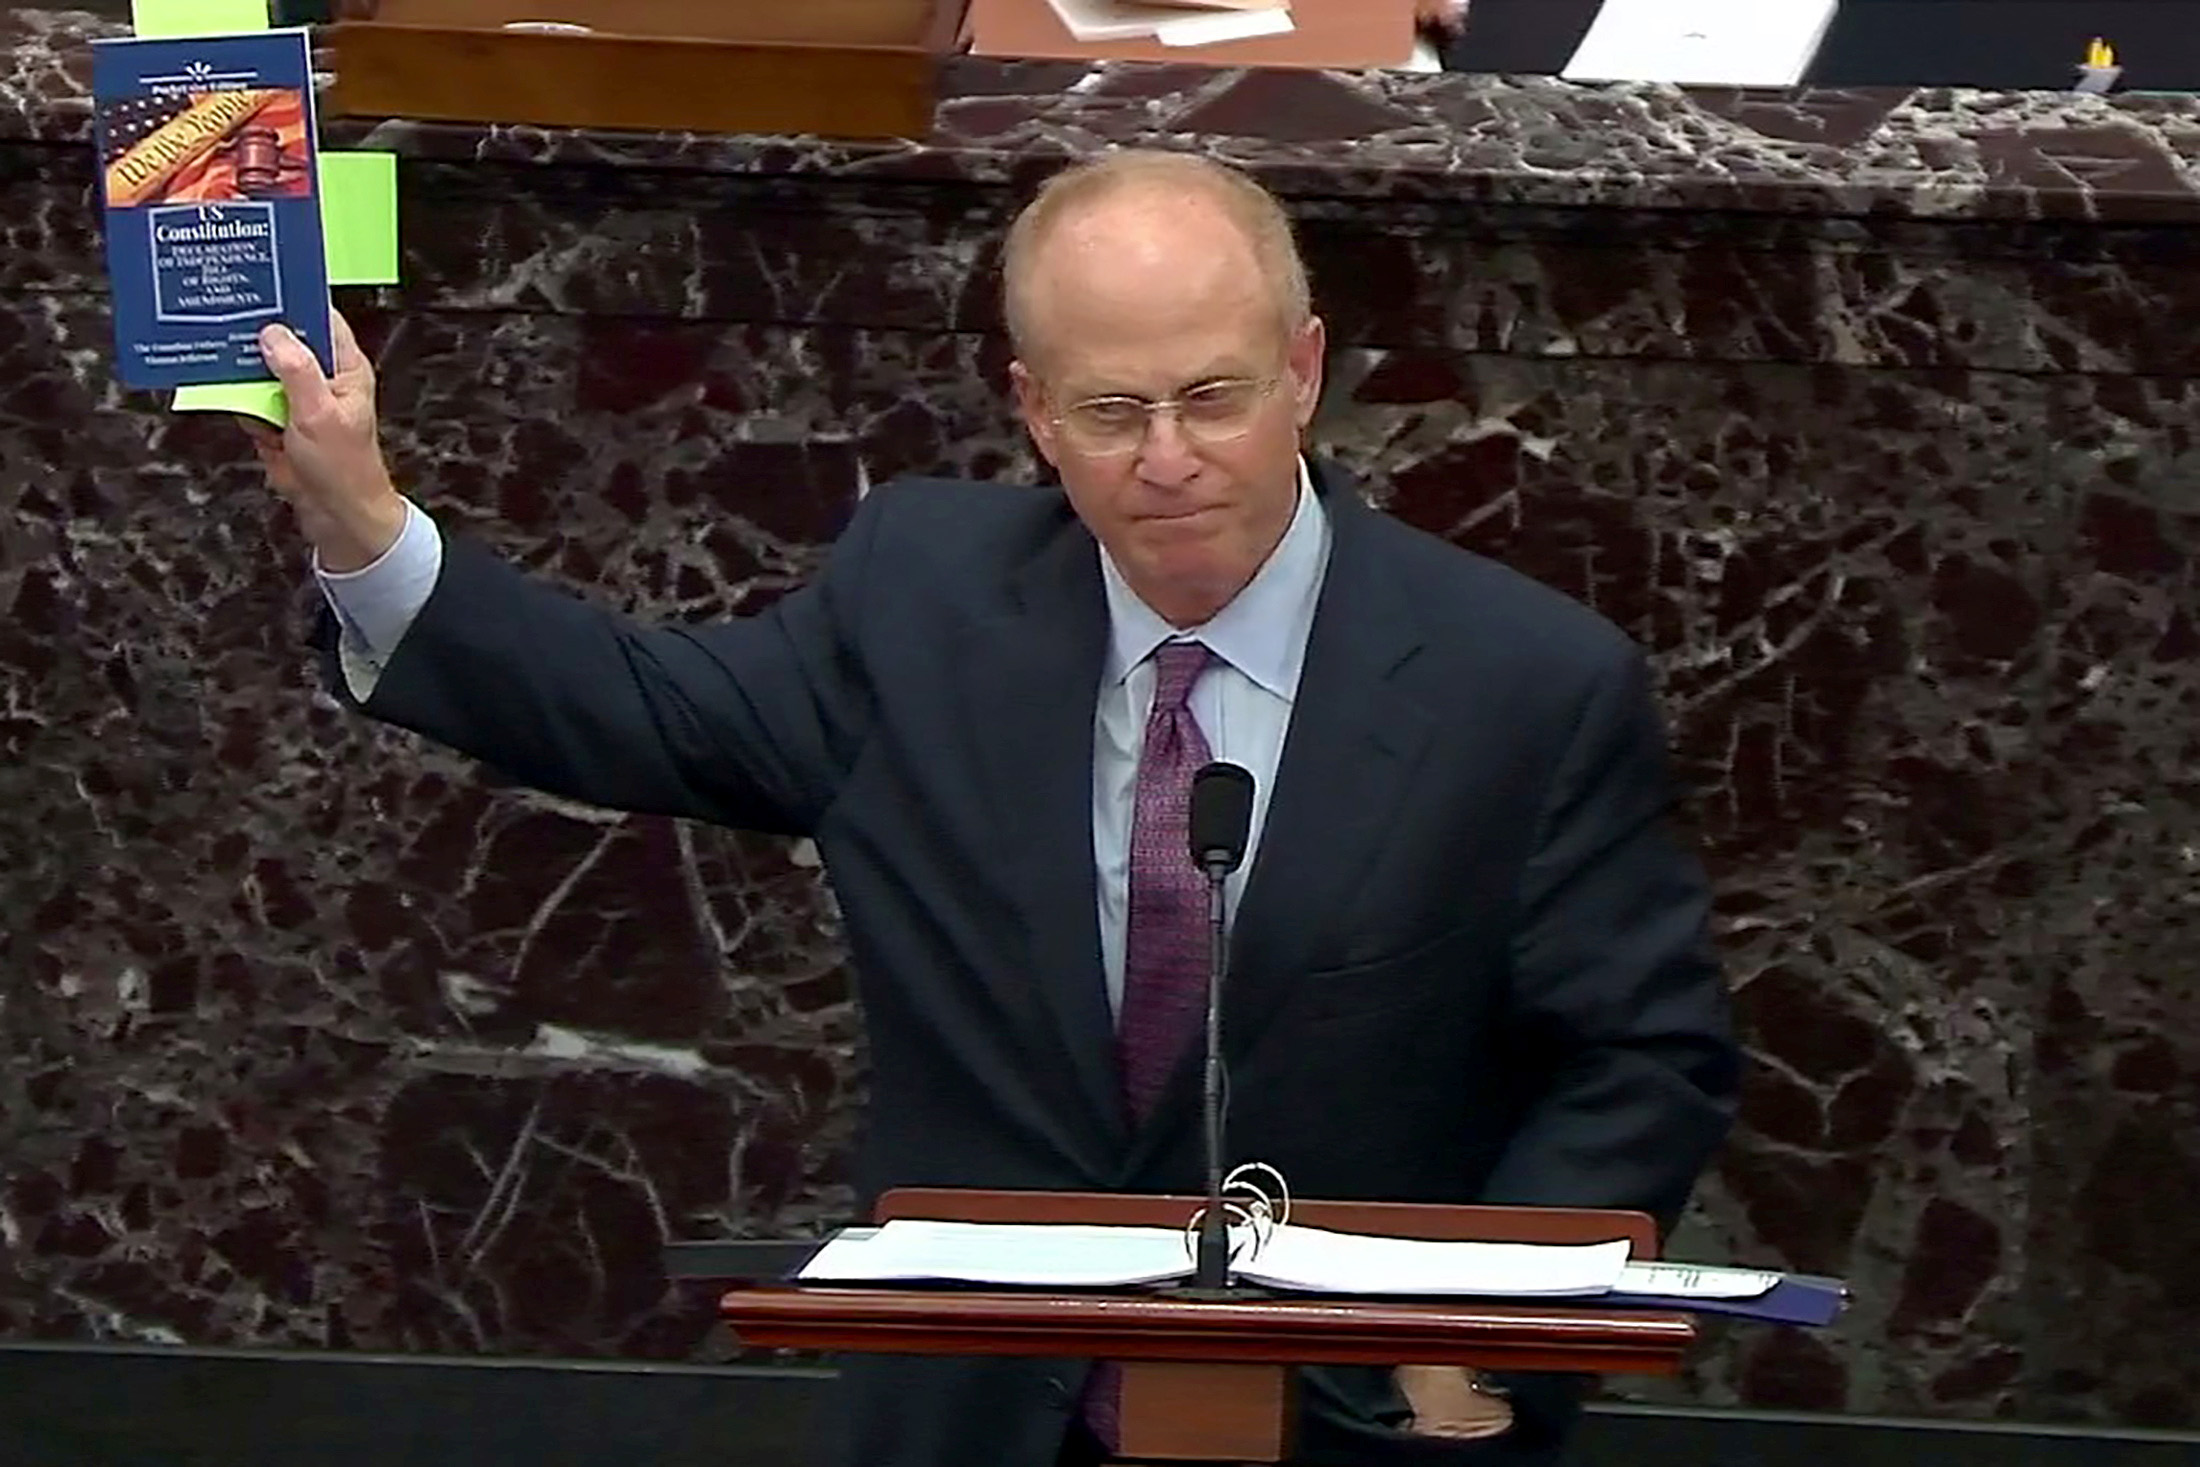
(1207,1381)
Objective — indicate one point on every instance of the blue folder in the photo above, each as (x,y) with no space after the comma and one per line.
(1798,1298)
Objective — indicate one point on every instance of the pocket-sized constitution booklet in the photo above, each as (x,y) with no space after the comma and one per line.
(210,187)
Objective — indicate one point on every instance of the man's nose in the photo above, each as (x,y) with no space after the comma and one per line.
(1166,455)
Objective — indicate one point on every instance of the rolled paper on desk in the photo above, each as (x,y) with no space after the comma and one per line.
(182,140)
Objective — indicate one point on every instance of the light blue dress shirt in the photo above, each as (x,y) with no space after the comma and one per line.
(375,605)
(1243,702)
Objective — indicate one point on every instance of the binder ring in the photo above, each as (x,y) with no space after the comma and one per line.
(1251,1213)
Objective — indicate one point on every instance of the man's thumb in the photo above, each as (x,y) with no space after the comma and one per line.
(304,384)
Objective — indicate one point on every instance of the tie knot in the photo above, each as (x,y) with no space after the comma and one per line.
(1177,666)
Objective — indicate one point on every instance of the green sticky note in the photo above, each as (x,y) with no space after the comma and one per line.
(359,217)
(196,17)
(262,400)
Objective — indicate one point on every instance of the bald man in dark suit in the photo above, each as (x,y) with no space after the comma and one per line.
(1470,959)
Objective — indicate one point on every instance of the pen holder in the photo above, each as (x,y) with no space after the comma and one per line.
(2097,79)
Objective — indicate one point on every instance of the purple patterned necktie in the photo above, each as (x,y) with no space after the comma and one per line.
(1165,939)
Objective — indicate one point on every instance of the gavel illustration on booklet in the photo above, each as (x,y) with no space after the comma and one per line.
(224,124)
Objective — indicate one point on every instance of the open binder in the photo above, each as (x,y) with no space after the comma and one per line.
(1213,1379)
(1295,1259)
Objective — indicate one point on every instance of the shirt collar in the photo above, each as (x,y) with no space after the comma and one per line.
(1262,631)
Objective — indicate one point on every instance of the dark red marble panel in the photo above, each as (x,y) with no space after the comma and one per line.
(2113,1241)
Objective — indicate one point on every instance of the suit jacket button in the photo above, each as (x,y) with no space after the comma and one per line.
(1056,1391)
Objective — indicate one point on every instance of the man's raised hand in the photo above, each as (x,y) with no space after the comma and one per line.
(328,463)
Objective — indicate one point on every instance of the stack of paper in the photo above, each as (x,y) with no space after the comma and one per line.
(1314,1260)
(1174,22)
(1712,43)
(1307,1260)
(1049,1255)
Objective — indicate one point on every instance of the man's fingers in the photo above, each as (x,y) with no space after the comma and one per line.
(280,474)
(304,384)
(349,358)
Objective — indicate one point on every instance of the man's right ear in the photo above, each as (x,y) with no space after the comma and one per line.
(1031,405)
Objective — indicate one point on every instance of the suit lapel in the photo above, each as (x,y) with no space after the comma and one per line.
(1354,738)
(1036,682)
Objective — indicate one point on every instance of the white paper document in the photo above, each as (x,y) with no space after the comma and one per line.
(1111,20)
(1737,43)
(1190,23)
(1310,1260)
(1224,25)
(1056,1255)
(1319,1261)
(1695,1281)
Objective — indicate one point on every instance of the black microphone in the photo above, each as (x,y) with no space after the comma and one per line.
(1221,821)
(1221,818)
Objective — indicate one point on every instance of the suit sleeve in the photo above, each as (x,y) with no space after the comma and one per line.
(751,721)
(1621,1010)
(1622,1013)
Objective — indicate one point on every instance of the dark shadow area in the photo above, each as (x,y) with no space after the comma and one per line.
(93,1406)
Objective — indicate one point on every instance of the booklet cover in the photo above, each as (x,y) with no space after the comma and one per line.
(209,180)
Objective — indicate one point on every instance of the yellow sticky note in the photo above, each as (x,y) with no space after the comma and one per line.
(262,400)
(196,17)
(359,217)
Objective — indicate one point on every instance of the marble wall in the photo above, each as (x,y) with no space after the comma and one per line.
(313,1035)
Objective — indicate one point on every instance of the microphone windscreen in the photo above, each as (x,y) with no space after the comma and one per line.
(1221,815)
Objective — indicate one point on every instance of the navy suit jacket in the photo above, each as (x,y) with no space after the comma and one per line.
(1470,963)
